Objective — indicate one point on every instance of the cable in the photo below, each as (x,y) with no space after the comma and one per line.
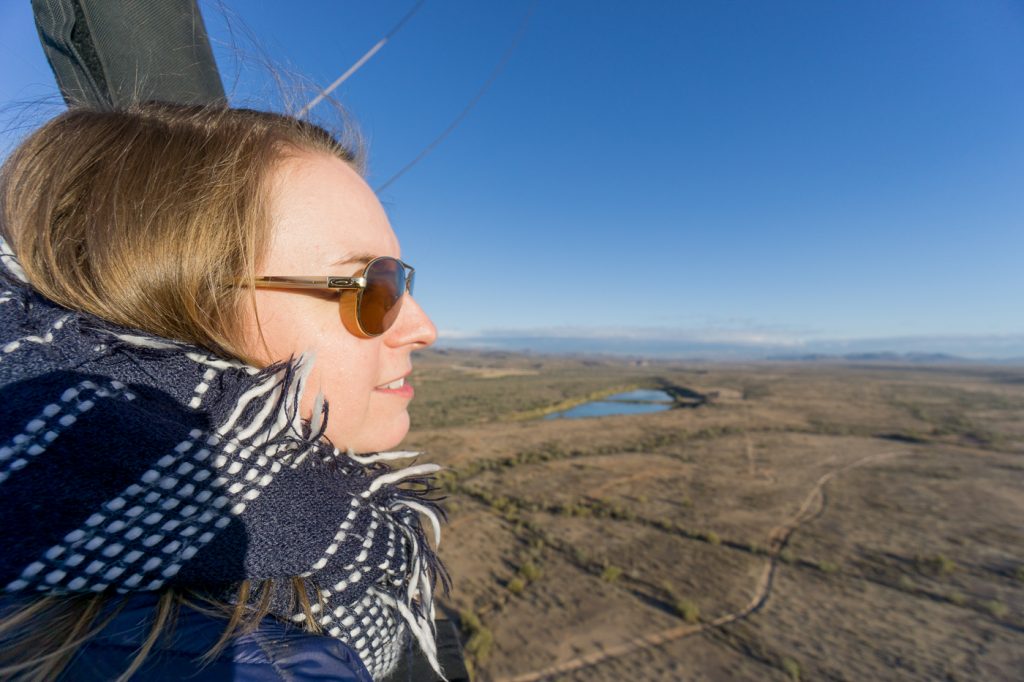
(472,103)
(359,63)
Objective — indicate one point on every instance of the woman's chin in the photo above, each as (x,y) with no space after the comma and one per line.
(379,440)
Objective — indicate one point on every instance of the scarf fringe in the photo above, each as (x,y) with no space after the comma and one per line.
(417,604)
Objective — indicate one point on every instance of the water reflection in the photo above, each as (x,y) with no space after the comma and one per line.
(633,402)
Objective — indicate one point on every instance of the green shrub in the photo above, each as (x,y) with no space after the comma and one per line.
(827,567)
(479,645)
(529,571)
(712,537)
(448,480)
(957,598)
(611,573)
(791,668)
(688,610)
(480,640)
(618,511)
(470,622)
(787,556)
(997,608)
(516,585)
(935,565)
(1019,574)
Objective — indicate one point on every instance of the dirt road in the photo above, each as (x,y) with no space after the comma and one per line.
(810,508)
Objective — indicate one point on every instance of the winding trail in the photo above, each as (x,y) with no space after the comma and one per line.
(812,506)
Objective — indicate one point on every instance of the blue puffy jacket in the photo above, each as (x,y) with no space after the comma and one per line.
(274,652)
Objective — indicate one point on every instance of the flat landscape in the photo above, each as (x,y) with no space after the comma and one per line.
(808,521)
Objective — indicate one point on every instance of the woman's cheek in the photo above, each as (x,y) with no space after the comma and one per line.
(349,409)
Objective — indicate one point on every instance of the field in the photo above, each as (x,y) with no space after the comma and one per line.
(785,521)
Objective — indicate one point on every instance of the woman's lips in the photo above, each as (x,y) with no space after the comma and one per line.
(405,391)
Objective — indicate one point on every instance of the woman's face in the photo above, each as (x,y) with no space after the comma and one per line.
(324,214)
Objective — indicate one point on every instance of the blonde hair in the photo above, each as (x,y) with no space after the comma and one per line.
(142,217)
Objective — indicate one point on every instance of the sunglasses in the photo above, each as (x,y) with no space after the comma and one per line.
(369,302)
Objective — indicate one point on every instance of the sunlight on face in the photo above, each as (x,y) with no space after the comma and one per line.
(322,211)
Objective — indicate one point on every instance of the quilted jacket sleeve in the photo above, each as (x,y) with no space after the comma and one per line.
(275,652)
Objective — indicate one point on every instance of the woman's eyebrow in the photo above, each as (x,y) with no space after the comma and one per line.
(359,257)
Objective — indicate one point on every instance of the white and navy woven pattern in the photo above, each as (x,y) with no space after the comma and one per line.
(129,462)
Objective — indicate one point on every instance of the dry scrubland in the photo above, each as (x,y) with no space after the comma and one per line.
(783,522)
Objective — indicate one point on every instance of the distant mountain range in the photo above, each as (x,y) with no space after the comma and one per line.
(917,358)
(1003,350)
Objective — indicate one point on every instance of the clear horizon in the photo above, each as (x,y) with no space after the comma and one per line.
(689,344)
(731,173)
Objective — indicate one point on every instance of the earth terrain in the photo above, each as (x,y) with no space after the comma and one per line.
(783,521)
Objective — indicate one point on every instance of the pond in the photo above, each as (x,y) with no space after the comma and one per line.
(633,402)
(641,396)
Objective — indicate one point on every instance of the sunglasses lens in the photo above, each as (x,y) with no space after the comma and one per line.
(380,300)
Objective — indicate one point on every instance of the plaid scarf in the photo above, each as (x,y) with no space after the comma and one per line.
(130,462)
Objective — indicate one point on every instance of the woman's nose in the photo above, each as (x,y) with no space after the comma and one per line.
(412,325)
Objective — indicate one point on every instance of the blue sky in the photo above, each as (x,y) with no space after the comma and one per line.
(779,173)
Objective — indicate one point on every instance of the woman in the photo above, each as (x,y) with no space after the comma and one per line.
(185,293)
